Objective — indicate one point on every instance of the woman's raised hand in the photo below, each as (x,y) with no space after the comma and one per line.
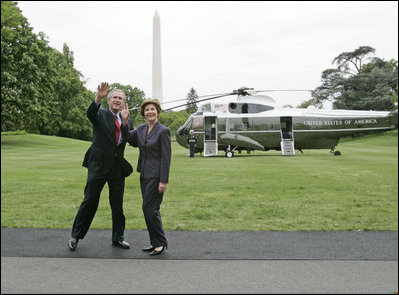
(125,113)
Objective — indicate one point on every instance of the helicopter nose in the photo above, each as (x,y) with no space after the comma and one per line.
(180,137)
(180,131)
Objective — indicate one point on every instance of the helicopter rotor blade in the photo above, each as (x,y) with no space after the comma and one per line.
(276,90)
(197,97)
(185,99)
(243,91)
(182,105)
(222,95)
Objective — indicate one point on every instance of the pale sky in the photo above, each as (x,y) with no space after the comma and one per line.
(215,47)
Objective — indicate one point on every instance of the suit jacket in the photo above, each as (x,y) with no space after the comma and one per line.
(103,151)
(155,151)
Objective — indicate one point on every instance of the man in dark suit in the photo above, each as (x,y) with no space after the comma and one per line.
(105,163)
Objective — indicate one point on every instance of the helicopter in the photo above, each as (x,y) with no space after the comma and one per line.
(249,121)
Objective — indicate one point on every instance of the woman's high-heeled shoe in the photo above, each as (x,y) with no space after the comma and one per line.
(155,252)
(148,249)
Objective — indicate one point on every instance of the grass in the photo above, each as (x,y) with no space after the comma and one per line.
(42,184)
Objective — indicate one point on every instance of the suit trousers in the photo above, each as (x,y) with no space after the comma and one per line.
(152,200)
(192,150)
(89,206)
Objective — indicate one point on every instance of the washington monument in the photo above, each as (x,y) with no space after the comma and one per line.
(156,59)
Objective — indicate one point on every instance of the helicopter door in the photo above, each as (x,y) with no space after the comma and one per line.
(210,136)
(287,138)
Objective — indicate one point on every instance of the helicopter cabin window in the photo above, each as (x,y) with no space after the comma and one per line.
(186,126)
(271,126)
(240,124)
(245,108)
(262,124)
(220,108)
(198,123)
(246,123)
(206,107)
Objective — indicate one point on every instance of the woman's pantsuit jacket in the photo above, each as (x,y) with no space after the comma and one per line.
(153,165)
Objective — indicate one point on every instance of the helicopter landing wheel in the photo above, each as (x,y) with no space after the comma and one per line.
(229,154)
(337,153)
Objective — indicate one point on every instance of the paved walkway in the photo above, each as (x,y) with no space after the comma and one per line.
(39,261)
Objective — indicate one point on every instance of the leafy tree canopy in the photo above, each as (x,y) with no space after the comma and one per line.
(357,84)
(41,91)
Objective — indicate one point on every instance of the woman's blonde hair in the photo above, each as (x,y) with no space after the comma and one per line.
(153,101)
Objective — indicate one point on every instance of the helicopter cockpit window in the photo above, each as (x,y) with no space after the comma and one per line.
(206,107)
(184,130)
(198,123)
(244,108)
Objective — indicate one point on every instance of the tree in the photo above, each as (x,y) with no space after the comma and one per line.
(23,59)
(68,54)
(192,97)
(41,91)
(173,120)
(347,60)
(306,103)
(372,88)
(394,98)
(358,85)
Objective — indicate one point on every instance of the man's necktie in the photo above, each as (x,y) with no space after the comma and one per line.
(118,129)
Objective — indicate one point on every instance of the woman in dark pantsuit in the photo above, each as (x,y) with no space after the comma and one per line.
(153,140)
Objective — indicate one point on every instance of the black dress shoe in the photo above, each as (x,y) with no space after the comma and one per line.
(121,244)
(148,249)
(155,252)
(73,243)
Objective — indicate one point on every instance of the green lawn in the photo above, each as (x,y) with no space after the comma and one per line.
(42,184)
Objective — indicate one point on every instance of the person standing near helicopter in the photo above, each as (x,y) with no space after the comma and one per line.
(106,164)
(153,140)
(192,141)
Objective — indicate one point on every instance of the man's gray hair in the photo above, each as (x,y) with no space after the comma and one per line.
(116,90)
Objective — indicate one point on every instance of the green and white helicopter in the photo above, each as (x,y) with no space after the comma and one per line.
(249,121)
